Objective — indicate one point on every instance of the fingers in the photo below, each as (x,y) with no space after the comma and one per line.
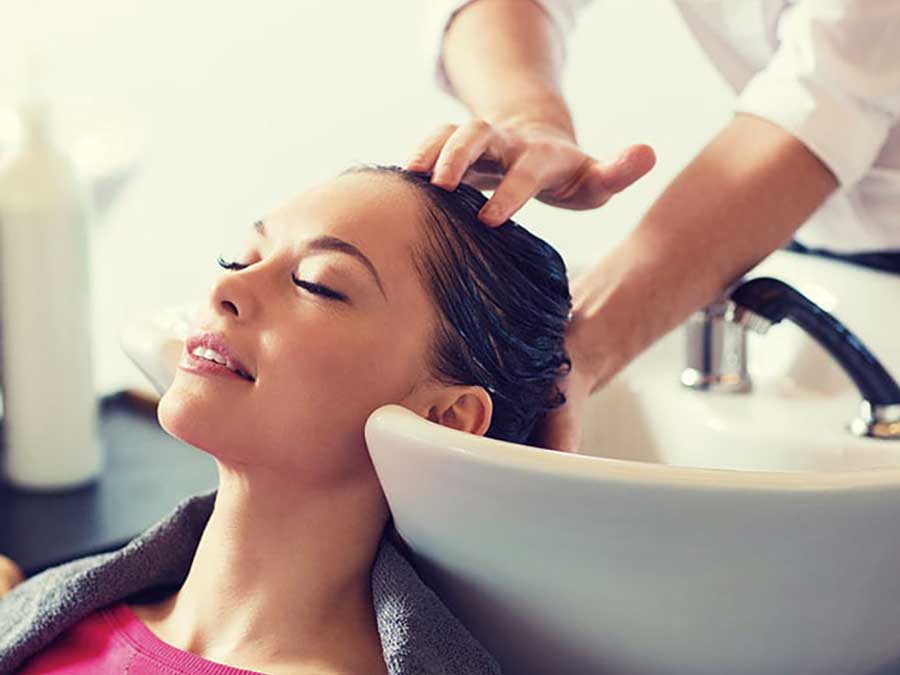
(425,157)
(460,151)
(522,181)
(594,184)
(617,175)
(591,183)
(484,174)
(536,163)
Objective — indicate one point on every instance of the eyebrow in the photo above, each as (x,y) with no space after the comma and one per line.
(326,242)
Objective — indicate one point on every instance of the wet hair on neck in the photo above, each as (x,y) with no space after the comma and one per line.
(502,299)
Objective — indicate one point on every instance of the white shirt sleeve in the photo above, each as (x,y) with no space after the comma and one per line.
(440,13)
(834,81)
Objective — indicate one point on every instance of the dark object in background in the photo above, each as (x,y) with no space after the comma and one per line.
(146,474)
(886,261)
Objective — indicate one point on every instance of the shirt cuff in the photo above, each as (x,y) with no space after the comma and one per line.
(843,134)
(441,12)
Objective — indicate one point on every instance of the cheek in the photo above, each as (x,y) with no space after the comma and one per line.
(354,366)
(320,364)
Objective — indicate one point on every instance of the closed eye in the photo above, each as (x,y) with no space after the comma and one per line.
(317,289)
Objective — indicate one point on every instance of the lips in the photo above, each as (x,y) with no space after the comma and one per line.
(216,342)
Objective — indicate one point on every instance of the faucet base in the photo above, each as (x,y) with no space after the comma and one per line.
(877,421)
(726,383)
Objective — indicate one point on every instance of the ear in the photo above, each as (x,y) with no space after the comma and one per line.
(466,408)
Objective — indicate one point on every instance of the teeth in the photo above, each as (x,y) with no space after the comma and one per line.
(213,355)
(210,354)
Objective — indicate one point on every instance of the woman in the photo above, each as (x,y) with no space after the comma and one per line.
(372,288)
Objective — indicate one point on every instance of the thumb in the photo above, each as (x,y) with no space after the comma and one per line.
(608,178)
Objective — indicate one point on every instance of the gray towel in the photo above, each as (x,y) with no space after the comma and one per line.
(419,635)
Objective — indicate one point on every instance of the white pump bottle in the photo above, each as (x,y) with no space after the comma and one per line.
(50,412)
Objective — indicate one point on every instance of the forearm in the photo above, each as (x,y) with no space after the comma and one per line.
(504,59)
(740,199)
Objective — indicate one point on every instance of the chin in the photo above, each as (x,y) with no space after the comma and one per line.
(188,419)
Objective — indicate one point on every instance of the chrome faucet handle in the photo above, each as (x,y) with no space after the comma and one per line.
(716,347)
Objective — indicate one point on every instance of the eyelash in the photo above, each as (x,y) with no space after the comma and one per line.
(317,289)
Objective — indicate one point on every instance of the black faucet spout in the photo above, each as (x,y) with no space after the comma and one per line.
(775,300)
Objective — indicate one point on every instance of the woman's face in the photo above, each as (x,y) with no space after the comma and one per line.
(321,365)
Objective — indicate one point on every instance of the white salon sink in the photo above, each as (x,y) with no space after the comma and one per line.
(795,417)
(695,533)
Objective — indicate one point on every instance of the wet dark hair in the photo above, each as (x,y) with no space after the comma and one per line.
(503,303)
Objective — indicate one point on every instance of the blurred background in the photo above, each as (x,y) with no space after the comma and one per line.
(227,109)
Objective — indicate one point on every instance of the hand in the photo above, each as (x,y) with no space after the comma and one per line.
(10,575)
(523,159)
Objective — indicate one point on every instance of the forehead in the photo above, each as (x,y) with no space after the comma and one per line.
(377,213)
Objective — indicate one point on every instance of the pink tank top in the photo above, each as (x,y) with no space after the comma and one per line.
(114,641)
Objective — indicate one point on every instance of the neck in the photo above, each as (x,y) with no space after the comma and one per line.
(281,567)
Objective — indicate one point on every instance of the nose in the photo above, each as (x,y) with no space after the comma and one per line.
(237,293)
(234,292)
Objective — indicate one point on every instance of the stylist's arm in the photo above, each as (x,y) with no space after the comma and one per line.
(738,200)
(10,575)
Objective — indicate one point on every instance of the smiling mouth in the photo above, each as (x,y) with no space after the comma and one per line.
(199,358)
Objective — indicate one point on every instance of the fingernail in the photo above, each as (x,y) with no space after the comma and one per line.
(491,212)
